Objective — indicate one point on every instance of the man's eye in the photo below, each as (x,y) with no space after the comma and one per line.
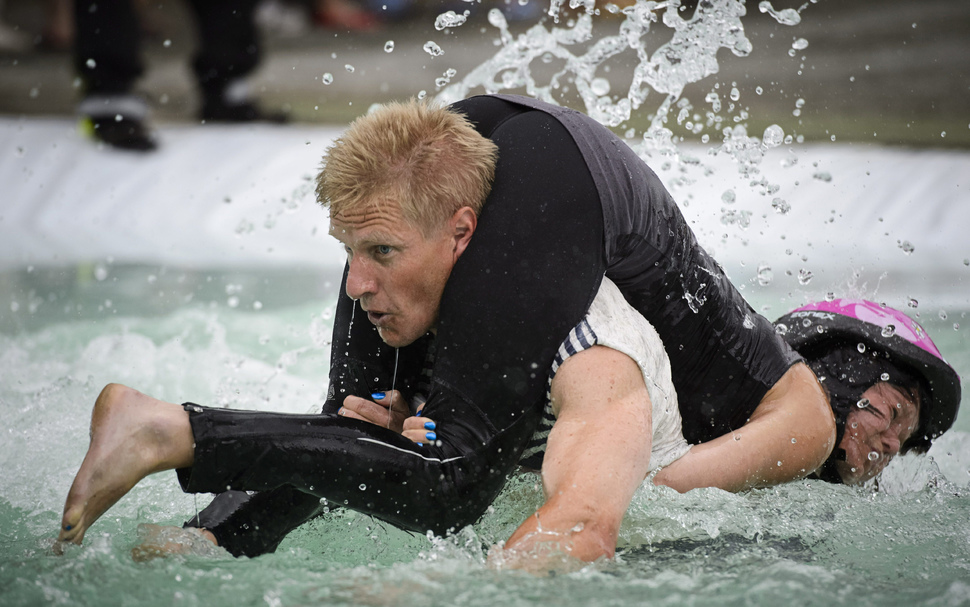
(383,249)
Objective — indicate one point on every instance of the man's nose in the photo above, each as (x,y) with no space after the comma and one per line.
(360,280)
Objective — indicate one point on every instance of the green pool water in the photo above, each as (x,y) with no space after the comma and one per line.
(260,340)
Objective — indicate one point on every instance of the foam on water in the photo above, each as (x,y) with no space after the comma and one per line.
(761,546)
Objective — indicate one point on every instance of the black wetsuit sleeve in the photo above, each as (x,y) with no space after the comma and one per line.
(497,335)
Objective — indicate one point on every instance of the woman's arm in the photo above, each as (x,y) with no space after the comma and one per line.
(789,435)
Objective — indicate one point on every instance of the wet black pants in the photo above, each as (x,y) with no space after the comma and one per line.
(108,44)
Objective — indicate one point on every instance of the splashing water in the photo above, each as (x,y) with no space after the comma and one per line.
(687,57)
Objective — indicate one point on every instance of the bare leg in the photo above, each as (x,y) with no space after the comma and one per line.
(132,436)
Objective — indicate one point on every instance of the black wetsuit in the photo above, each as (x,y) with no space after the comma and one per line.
(570,204)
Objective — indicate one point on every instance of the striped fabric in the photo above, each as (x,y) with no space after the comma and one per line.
(580,338)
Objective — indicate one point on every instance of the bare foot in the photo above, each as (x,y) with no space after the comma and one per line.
(132,436)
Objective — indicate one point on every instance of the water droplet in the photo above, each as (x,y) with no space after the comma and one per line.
(888,330)
(349,68)
(91,63)
(433,49)
(600,86)
(327,78)
(862,403)
(363,487)
(100,272)
(758,90)
(449,19)
(773,136)
(232,302)
(884,377)
(823,175)
(497,19)
(873,456)
(779,463)
(257,305)
(788,16)
(830,296)
(714,100)
(800,44)
(728,197)
(906,246)
(388,46)
(735,94)
(912,303)
(737,437)
(805,276)
(781,328)
(806,322)
(781,206)
(854,425)
(765,275)
(167,43)
(942,314)
(861,348)
(793,441)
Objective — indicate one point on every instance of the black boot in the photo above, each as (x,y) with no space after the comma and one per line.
(117,120)
(230,101)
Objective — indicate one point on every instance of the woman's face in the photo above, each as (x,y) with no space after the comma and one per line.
(875,431)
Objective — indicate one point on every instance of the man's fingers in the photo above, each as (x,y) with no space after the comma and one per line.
(369,411)
(345,412)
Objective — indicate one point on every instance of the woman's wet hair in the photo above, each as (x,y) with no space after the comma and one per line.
(847,370)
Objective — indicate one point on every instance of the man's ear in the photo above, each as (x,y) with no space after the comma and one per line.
(463,224)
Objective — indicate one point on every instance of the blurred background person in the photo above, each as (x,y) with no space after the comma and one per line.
(107,58)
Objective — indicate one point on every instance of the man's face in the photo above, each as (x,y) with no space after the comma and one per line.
(874,434)
(395,271)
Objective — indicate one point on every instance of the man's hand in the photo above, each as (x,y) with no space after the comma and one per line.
(388,409)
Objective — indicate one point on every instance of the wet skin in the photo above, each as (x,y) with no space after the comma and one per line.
(880,428)
(396,272)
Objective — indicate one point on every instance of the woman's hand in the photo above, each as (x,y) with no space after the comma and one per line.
(389,410)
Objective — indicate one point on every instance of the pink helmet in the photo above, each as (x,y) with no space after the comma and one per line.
(812,327)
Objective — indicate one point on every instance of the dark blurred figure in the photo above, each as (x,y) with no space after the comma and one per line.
(108,59)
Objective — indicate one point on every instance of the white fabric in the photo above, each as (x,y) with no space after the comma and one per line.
(619,326)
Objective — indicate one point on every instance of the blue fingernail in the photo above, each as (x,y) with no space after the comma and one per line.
(420,444)
(377,395)
(429,426)
(431,436)
(68,527)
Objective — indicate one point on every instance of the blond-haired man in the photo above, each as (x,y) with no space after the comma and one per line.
(548,306)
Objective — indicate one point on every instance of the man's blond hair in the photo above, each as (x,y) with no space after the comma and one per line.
(429,160)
